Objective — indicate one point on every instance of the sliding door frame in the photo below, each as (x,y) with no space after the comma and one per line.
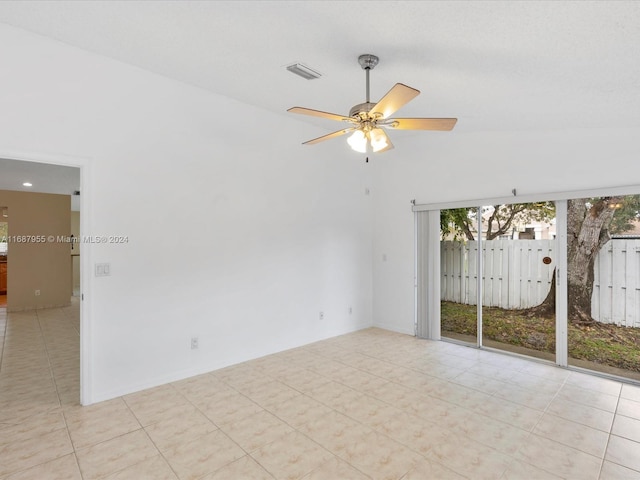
(427,245)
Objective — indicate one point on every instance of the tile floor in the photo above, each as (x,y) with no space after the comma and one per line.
(368,405)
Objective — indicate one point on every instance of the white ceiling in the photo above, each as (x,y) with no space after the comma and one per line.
(45,178)
(499,65)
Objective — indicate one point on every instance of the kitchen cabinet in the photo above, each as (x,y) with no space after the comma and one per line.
(3,278)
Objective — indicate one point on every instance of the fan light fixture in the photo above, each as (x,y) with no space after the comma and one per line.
(374,140)
(368,121)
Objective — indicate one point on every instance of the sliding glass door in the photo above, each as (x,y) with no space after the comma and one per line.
(603,281)
(557,280)
(459,275)
(518,290)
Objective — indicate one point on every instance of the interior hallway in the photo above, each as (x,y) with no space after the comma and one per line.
(372,404)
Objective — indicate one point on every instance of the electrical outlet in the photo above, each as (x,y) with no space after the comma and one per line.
(321,315)
(194,343)
(37,293)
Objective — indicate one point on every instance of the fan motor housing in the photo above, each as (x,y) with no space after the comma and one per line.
(361,108)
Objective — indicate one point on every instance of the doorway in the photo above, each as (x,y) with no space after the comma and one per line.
(63,177)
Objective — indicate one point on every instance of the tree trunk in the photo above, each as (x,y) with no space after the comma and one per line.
(587,232)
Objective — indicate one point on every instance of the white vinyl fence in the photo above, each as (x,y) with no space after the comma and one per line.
(515,276)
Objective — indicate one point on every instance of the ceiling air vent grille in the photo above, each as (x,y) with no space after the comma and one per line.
(303,71)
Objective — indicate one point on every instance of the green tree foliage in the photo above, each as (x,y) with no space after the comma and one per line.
(497,219)
(627,211)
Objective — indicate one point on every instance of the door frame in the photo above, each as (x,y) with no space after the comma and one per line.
(432,239)
(84,164)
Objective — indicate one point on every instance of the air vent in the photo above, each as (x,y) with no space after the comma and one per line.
(303,71)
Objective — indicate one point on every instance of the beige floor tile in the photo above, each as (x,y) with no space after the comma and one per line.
(572,434)
(114,455)
(334,394)
(217,392)
(17,410)
(429,469)
(626,427)
(579,413)
(529,397)
(493,372)
(243,468)
(591,398)
(332,430)
(256,430)
(202,456)
(335,468)
(372,413)
(403,397)
(304,380)
(418,381)
(153,405)
(232,408)
(29,452)
(63,468)
(545,371)
(594,383)
(479,382)
(270,393)
(470,459)
(390,404)
(623,451)
(32,427)
(183,427)
(461,395)
(559,459)
(631,392)
(416,433)
(514,414)
(628,408)
(544,381)
(291,457)
(359,380)
(523,471)
(97,423)
(612,471)
(199,387)
(498,435)
(299,410)
(378,456)
(155,468)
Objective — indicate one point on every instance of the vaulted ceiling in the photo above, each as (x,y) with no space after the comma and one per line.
(495,65)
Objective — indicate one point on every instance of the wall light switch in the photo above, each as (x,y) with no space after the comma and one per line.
(103,269)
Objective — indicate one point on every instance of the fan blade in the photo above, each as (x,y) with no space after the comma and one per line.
(318,113)
(420,123)
(395,98)
(328,136)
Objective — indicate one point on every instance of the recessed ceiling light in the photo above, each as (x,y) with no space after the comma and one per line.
(27,184)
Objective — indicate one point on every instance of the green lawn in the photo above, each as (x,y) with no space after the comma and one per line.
(600,343)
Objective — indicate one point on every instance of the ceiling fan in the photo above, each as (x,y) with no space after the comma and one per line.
(368,121)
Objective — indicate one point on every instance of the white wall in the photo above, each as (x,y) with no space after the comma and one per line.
(237,233)
(467,166)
